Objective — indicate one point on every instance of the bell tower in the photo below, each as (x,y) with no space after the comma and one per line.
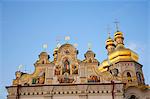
(124,61)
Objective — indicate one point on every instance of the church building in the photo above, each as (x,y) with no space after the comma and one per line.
(120,76)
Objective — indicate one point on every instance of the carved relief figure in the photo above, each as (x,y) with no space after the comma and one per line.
(93,78)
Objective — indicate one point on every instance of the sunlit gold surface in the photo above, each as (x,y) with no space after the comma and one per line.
(109,41)
(119,55)
(118,34)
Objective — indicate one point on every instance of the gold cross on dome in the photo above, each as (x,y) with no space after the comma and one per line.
(108,30)
(117,24)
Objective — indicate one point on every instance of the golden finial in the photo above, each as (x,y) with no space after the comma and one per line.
(117,24)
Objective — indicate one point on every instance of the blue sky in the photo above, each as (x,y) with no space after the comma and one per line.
(27,24)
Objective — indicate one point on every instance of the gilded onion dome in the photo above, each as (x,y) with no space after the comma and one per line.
(90,57)
(43,58)
(121,53)
(118,38)
(118,34)
(110,46)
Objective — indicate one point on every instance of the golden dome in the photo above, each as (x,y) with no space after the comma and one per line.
(102,66)
(118,34)
(90,52)
(119,54)
(109,41)
(43,54)
(123,54)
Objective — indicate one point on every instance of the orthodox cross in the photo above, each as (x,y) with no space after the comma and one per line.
(117,25)
(108,30)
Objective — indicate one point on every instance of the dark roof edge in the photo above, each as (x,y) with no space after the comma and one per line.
(39,85)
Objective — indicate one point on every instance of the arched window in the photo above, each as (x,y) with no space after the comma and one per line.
(128,74)
(139,76)
(132,97)
(129,77)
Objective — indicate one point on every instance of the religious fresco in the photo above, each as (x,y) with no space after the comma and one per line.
(66,66)
(93,78)
(74,69)
(66,78)
(57,70)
